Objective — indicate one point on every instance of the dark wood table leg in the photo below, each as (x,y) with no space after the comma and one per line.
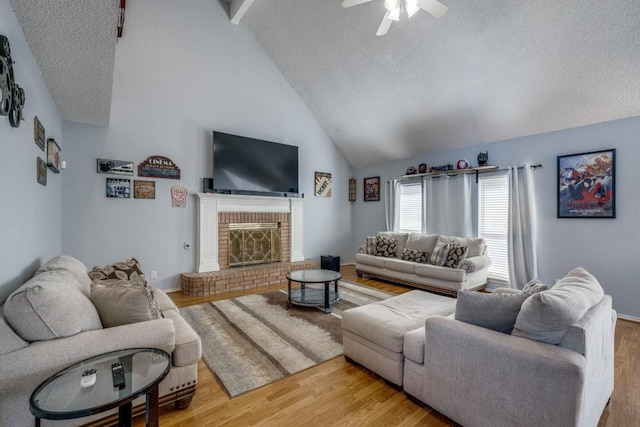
(37,422)
(288,294)
(152,407)
(124,415)
(327,290)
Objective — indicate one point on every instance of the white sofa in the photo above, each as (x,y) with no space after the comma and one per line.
(50,322)
(470,274)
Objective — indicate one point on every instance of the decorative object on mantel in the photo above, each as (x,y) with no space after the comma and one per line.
(372,189)
(586,185)
(352,189)
(41,171)
(159,167)
(411,170)
(121,9)
(441,168)
(12,96)
(114,167)
(38,133)
(53,155)
(118,188)
(483,158)
(322,184)
(422,168)
(144,189)
(179,196)
(462,164)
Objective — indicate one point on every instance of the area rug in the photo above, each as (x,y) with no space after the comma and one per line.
(251,341)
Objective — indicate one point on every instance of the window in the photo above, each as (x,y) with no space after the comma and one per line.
(411,207)
(493,221)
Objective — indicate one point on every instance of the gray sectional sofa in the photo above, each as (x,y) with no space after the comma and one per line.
(51,322)
(469,274)
(535,358)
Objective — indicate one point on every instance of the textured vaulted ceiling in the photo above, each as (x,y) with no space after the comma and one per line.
(487,71)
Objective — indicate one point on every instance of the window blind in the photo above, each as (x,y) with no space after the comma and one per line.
(493,222)
(411,207)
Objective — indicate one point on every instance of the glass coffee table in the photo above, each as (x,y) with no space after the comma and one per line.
(63,397)
(310,295)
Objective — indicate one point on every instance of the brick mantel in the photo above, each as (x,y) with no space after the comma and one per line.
(210,205)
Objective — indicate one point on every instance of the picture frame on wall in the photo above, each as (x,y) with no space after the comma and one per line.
(322,186)
(41,171)
(38,133)
(118,188)
(372,189)
(53,155)
(586,185)
(352,189)
(144,189)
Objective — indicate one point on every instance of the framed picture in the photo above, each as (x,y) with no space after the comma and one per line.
(41,171)
(144,189)
(114,167)
(118,188)
(586,185)
(352,189)
(38,133)
(322,184)
(372,189)
(53,155)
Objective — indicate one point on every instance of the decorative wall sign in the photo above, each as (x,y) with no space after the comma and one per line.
(352,189)
(322,184)
(41,171)
(144,189)
(114,167)
(179,196)
(118,188)
(586,185)
(159,167)
(38,133)
(12,96)
(53,155)
(372,189)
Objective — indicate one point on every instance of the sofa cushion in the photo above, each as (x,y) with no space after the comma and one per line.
(386,246)
(414,255)
(439,254)
(372,260)
(441,273)
(127,269)
(489,310)
(50,305)
(401,239)
(422,242)
(370,247)
(73,266)
(121,302)
(546,316)
(188,346)
(476,245)
(457,253)
(400,265)
(9,340)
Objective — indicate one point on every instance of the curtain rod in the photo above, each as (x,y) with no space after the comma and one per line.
(456,172)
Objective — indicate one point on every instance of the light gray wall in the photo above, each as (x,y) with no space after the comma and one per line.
(182,72)
(605,247)
(29,213)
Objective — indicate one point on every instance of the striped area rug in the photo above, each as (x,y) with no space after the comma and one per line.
(254,340)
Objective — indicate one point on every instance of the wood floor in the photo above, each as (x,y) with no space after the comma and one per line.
(339,393)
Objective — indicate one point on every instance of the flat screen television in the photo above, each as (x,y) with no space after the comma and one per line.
(243,165)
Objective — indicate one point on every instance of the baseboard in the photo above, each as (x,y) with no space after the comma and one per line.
(629,318)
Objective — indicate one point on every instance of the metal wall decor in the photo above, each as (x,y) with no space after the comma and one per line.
(372,189)
(144,189)
(114,167)
(12,96)
(118,188)
(159,167)
(38,133)
(41,171)
(352,189)
(322,186)
(53,155)
(179,196)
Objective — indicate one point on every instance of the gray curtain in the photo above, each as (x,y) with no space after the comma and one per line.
(522,231)
(391,195)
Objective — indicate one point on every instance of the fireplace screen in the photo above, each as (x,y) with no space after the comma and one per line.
(254,243)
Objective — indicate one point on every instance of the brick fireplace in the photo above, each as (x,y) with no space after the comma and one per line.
(216,212)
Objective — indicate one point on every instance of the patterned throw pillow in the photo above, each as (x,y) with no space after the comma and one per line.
(533,287)
(457,254)
(371,245)
(386,246)
(414,255)
(439,255)
(123,270)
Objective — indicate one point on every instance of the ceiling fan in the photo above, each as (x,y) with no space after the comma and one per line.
(395,7)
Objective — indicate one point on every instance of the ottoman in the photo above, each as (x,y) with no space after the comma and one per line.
(373,334)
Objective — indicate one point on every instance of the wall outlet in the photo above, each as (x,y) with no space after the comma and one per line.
(154,274)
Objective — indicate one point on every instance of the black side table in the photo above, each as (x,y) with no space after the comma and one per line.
(330,262)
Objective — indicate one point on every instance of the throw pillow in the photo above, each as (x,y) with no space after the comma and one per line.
(386,246)
(439,255)
(457,253)
(489,310)
(533,287)
(9,340)
(121,302)
(371,245)
(414,255)
(123,270)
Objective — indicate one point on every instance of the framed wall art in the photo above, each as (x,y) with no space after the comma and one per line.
(586,185)
(114,167)
(352,189)
(118,188)
(372,189)
(322,186)
(41,171)
(144,189)
(38,133)
(53,155)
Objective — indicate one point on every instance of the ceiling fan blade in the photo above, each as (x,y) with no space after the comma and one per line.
(434,7)
(349,3)
(384,25)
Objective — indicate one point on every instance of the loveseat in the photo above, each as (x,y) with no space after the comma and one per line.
(444,264)
(59,317)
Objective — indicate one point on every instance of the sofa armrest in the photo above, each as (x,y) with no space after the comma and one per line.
(476,263)
(471,370)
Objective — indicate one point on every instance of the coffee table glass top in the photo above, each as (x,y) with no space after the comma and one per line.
(62,397)
(314,276)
